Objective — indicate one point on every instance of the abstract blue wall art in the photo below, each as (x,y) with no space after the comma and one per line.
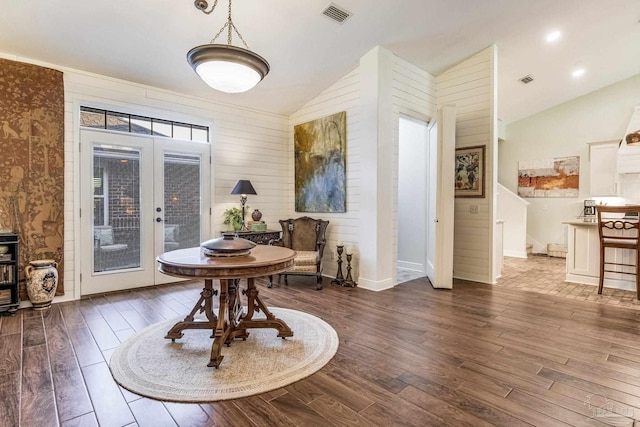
(320,164)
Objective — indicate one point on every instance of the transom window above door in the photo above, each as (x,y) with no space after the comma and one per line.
(131,123)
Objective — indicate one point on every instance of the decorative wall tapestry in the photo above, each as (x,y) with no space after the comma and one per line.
(32,162)
(320,164)
(469,172)
(549,178)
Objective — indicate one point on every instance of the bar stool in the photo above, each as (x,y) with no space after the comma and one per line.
(619,228)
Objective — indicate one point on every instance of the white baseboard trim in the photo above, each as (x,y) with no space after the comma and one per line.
(585,280)
(413,266)
(515,254)
(608,283)
(373,285)
(472,278)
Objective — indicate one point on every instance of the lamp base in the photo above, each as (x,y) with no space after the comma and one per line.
(243,201)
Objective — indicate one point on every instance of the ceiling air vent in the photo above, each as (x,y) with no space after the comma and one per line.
(336,13)
(526,79)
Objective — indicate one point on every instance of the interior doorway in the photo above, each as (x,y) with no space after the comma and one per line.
(413,194)
(426,197)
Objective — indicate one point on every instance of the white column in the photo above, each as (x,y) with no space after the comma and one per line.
(376,205)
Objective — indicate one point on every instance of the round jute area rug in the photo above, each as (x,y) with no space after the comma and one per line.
(150,365)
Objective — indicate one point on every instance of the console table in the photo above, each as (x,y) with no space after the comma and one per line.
(231,321)
(259,237)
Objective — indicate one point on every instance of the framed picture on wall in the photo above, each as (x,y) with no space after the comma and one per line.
(320,159)
(469,174)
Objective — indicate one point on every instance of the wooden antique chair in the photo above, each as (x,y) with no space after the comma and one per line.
(306,236)
(619,228)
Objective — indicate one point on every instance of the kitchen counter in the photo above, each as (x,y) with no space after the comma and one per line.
(579,222)
(583,257)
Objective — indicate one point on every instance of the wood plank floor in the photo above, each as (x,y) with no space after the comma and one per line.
(411,356)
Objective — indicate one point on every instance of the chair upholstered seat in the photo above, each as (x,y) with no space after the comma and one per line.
(305,261)
(306,236)
(306,258)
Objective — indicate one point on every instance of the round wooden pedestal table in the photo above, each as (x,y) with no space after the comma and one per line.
(231,322)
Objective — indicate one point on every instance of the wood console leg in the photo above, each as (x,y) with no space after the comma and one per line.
(204,304)
(254,304)
(222,329)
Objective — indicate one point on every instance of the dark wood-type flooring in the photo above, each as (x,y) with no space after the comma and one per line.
(412,356)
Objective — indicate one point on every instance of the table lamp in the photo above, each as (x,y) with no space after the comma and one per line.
(243,187)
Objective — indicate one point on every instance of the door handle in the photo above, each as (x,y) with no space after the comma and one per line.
(158,219)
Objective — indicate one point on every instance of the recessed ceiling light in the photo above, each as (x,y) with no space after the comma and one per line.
(578,72)
(553,36)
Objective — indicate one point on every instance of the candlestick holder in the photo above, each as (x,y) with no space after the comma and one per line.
(339,280)
(349,280)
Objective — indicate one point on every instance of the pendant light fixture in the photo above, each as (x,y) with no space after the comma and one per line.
(224,67)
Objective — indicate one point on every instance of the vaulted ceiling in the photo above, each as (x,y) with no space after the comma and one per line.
(146,41)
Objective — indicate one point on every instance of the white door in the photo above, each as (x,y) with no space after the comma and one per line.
(140,197)
(181,197)
(440,203)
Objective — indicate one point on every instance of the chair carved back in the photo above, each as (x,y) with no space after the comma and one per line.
(619,228)
(618,225)
(304,234)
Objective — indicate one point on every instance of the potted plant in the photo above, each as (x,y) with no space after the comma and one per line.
(233,218)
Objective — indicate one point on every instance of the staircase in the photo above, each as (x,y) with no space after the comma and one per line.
(512,209)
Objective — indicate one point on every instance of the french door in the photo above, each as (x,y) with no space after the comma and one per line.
(140,197)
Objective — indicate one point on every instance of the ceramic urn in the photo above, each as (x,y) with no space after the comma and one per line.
(42,281)
(256,215)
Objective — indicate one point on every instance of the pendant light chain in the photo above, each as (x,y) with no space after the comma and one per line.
(225,67)
(230,22)
(220,32)
(240,37)
(229,25)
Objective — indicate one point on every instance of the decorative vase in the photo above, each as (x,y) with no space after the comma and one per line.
(256,215)
(42,281)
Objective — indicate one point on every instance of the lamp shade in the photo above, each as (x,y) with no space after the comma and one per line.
(228,68)
(243,187)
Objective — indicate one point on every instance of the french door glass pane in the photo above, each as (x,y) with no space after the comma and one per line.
(182,200)
(116,211)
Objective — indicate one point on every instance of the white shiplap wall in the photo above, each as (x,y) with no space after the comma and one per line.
(470,86)
(246,144)
(413,94)
(249,144)
(343,95)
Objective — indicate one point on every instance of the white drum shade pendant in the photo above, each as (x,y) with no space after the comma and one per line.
(227,68)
